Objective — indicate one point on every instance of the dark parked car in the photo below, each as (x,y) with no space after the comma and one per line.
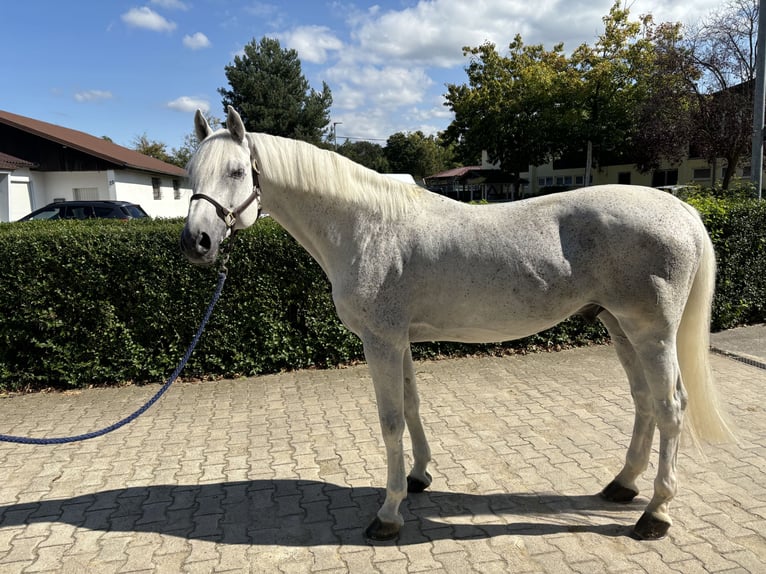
(87,210)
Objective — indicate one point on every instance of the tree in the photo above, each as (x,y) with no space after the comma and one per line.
(613,76)
(664,118)
(416,154)
(366,153)
(268,89)
(724,48)
(152,148)
(516,107)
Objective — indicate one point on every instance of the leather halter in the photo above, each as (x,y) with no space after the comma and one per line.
(230,216)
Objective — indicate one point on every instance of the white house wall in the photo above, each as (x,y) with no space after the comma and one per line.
(60,185)
(136,187)
(24,190)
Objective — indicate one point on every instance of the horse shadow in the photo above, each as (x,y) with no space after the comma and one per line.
(309,513)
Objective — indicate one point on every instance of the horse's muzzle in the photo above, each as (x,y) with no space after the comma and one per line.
(198,247)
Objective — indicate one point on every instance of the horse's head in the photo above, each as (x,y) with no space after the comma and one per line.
(224,180)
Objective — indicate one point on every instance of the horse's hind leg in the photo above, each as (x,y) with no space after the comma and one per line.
(419,479)
(623,488)
(659,359)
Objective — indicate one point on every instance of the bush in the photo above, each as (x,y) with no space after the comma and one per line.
(103,302)
(737,225)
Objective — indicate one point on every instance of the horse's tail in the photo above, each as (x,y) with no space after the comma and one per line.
(705,417)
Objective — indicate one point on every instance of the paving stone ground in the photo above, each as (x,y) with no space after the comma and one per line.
(282,473)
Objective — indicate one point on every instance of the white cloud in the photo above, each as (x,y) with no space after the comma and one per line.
(312,43)
(196,41)
(147,18)
(93,95)
(189,104)
(433,32)
(385,87)
(170,4)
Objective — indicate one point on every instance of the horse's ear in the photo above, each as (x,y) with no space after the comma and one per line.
(235,126)
(201,127)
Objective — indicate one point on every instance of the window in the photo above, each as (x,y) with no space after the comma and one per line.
(623,177)
(662,177)
(85,193)
(701,173)
(156,188)
(747,171)
(176,189)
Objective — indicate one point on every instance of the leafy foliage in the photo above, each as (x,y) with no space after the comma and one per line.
(513,106)
(268,89)
(366,153)
(104,302)
(417,154)
(737,224)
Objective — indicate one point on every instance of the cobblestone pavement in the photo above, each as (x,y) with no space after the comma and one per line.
(282,473)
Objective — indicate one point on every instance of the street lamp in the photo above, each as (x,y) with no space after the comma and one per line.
(335,133)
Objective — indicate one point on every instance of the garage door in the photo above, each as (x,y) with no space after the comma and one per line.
(21,200)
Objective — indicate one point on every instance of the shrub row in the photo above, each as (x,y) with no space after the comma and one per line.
(737,226)
(105,302)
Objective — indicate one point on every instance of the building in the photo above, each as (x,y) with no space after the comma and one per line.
(41,163)
(475,183)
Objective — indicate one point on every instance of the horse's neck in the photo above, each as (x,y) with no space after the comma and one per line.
(323,223)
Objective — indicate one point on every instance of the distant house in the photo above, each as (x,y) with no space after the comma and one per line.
(473,183)
(41,163)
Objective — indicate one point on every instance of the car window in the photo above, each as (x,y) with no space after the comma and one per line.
(135,211)
(106,212)
(50,213)
(79,212)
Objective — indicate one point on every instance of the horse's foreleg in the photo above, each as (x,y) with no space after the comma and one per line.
(385,363)
(623,488)
(419,479)
(669,399)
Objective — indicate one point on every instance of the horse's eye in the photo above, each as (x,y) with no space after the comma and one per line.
(237,173)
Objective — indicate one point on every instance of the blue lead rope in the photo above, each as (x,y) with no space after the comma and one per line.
(149,403)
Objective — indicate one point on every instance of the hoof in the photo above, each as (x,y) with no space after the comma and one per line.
(380,531)
(650,527)
(416,485)
(615,492)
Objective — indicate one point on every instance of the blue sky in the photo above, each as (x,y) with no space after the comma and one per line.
(125,68)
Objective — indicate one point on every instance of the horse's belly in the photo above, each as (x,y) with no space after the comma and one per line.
(489,333)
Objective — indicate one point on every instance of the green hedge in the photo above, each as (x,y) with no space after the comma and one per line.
(737,225)
(106,302)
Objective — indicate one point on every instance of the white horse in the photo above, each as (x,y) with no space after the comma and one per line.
(407,265)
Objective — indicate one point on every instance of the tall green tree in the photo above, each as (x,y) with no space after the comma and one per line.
(514,106)
(664,120)
(417,154)
(366,153)
(613,75)
(268,89)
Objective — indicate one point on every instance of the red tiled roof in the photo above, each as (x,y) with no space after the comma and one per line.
(91,145)
(454,172)
(10,162)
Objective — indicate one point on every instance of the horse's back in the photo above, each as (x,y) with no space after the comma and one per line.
(505,271)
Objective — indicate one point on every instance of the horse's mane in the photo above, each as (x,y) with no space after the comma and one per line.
(295,164)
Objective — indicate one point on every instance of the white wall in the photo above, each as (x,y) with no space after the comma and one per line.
(23,191)
(136,186)
(53,185)
(16,194)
